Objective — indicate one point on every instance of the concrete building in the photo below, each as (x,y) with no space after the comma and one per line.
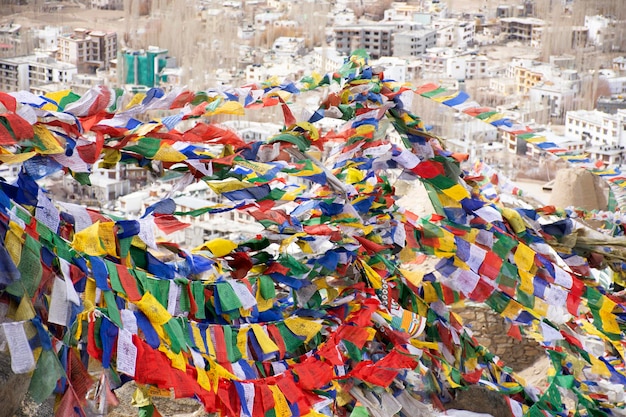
(604,133)
(454,33)
(522,29)
(611,104)
(579,37)
(377,40)
(453,64)
(88,49)
(413,43)
(22,73)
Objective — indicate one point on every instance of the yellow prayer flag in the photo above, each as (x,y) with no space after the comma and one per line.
(281,407)
(55,96)
(88,241)
(456,192)
(140,397)
(49,143)
(108,239)
(263,339)
(150,306)
(219,247)
(303,327)
(242,342)
(228,107)
(13,242)
(25,310)
(137,99)
(598,367)
(526,283)
(178,359)
(9,158)
(90,294)
(414,277)
(373,276)
(203,379)
(609,321)
(514,219)
(168,154)
(524,257)
(354,175)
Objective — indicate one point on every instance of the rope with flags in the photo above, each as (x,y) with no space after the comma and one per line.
(321,313)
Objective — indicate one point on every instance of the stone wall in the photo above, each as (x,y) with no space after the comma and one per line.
(491,331)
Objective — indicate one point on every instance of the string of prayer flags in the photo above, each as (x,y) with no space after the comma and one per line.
(328,296)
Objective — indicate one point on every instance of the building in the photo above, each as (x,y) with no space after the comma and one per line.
(257,73)
(454,33)
(401,11)
(611,104)
(88,49)
(557,98)
(22,73)
(413,43)
(451,63)
(377,40)
(107,4)
(525,73)
(523,29)
(143,68)
(619,63)
(327,60)
(579,36)
(605,134)
(393,68)
(606,33)
(288,47)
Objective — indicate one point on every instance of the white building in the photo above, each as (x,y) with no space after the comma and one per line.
(454,33)
(605,32)
(47,38)
(22,73)
(604,133)
(393,68)
(617,85)
(326,59)
(450,63)
(268,18)
(619,63)
(288,47)
(401,11)
(257,73)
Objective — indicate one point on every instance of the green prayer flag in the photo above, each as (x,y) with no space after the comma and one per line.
(112,311)
(49,370)
(227,297)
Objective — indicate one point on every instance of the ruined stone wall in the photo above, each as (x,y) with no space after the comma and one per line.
(491,331)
